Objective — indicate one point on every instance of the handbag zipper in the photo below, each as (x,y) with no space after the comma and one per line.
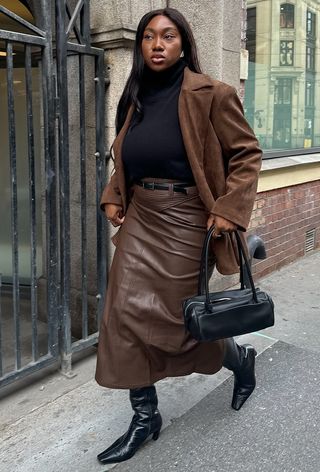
(203,303)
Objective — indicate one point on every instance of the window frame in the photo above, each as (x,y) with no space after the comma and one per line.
(312,34)
(286,49)
(279,153)
(287,11)
(290,152)
(310,56)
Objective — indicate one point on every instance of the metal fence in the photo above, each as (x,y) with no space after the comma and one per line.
(65,158)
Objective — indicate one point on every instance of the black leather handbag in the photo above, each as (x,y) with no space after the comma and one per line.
(219,315)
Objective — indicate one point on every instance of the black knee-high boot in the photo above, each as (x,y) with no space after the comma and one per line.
(241,360)
(146,421)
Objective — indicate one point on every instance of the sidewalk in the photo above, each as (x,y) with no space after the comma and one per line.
(59,424)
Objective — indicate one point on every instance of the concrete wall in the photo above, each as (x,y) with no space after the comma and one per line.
(216,26)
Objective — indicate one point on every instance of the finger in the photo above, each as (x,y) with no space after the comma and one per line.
(216,233)
(117,220)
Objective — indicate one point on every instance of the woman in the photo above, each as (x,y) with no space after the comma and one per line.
(185,159)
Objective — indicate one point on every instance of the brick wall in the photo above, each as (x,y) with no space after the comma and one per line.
(281,218)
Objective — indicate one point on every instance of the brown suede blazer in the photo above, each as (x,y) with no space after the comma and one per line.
(223,152)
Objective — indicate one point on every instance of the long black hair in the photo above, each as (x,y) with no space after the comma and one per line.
(131,89)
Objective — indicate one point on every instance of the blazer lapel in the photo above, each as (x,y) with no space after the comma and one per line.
(194,114)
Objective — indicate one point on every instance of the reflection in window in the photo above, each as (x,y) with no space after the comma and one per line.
(283,85)
(308,131)
(286,53)
(310,57)
(309,112)
(283,92)
(311,25)
(282,133)
(282,113)
(309,93)
(286,15)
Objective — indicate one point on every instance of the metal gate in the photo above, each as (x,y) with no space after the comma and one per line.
(54,308)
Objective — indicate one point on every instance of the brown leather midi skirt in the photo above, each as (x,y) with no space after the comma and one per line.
(155,267)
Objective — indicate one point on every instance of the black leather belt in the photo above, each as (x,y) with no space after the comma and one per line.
(176,187)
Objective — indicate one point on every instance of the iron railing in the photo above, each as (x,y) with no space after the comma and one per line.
(72,43)
(65,50)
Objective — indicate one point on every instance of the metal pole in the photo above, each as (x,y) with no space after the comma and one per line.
(48,98)
(14,206)
(32,202)
(83,195)
(100,179)
(64,190)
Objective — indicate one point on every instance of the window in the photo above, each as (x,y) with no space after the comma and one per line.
(311,25)
(286,15)
(282,112)
(311,41)
(309,115)
(251,47)
(283,92)
(310,57)
(309,93)
(286,53)
(283,86)
(251,32)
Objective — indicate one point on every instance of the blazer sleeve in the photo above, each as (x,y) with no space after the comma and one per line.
(111,193)
(242,158)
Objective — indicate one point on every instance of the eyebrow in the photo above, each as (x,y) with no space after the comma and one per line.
(168,28)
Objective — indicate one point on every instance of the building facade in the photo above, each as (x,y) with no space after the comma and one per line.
(281,97)
(283,84)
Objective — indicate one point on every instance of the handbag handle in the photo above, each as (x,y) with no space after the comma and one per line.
(204,266)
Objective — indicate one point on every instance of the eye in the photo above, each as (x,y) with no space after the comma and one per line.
(147,36)
(169,36)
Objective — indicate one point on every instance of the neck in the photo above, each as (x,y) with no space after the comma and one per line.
(163,79)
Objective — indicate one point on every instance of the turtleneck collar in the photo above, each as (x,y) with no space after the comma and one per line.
(156,81)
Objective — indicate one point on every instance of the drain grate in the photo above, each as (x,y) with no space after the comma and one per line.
(310,240)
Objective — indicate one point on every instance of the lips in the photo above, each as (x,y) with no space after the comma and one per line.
(157,58)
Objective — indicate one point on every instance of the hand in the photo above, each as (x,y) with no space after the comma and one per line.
(222,225)
(114,214)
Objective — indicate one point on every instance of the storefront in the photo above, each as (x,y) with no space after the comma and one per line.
(281,94)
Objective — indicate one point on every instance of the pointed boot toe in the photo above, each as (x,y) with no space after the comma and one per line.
(240,396)
(146,421)
(245,380)
(126,446)
(105,453)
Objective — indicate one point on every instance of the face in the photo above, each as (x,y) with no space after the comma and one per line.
(161,44)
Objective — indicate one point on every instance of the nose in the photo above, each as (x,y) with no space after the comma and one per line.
(157,44)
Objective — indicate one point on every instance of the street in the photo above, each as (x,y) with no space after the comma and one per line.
(59,425)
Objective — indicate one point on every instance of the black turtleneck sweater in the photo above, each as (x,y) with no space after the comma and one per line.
(153,147)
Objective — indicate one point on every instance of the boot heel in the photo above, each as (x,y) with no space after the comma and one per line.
(156,435)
